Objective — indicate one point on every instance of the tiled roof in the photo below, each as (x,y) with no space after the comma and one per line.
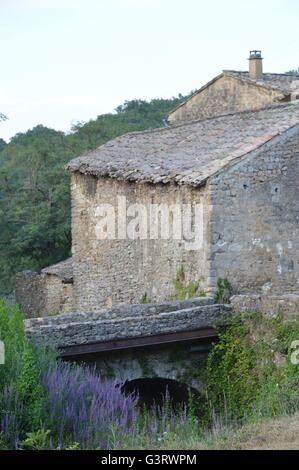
(188,153)
(285,83)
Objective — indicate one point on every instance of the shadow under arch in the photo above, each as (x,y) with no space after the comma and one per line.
(153,391)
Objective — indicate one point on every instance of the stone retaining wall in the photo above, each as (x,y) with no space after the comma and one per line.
(126,322)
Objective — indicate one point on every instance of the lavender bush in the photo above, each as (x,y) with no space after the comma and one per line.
(10,426)
(160,423)
(82,408)
(56,405)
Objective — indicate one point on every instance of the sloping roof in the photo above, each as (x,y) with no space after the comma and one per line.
(283,83)
(64,270)
(188,153)
(286,83)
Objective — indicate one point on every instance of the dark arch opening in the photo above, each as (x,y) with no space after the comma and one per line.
(153,391)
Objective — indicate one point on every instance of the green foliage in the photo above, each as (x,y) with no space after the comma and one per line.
(250,374)
(3,445)
(13,336)
(2,144)
(230,367)
(224,291)
(184,290)
(21,393)
(74,446)
(293,72)
(135,115)
(38,440)
(30,391)
(145,299)
(20,375)
(250,377)
(35,228)
(34,203)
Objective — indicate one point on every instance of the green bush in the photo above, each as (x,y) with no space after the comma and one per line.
(29,391)
(231,381)
(224,291)
(250,374)
(13,335)
(38,440)
(21,392)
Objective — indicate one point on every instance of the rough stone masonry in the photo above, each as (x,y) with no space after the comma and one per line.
(174,361)
(241,167)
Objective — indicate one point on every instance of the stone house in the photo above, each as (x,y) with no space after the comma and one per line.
(233,92)
(240,168)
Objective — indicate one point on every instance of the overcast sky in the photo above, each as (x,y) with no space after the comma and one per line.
(64,61)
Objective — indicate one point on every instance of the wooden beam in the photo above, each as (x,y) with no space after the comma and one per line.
(138,342)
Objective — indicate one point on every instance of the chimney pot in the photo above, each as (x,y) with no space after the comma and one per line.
(255,65)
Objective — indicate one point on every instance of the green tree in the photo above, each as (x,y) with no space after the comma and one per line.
(293,72)
(30,392)
(2,144)
(34,202)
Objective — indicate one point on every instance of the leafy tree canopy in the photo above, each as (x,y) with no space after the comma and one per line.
(293,72)
(2,144)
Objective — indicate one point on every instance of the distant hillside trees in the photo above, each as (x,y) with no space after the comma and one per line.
(293,72)
(35,225)
(2,144)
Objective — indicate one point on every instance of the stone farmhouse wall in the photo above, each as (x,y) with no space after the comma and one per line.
(251,233)
(255,219)
(42,294)
(107,272)
(227,95)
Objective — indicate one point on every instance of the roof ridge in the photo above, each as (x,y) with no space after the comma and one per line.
(264,73)
(220,116)
(258,83)
(184,124)
(187,154)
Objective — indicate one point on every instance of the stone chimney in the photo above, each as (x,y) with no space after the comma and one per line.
(256,65)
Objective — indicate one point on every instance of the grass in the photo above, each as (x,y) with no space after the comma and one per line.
(276,434)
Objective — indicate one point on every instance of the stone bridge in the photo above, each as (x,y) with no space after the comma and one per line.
(143,346)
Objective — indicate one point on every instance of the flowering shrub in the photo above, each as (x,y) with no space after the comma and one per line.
(48,404)
(11,407)
(81,407)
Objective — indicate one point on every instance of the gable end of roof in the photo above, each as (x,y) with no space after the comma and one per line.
(276,84)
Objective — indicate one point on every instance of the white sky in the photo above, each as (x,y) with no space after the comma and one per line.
(70,60)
